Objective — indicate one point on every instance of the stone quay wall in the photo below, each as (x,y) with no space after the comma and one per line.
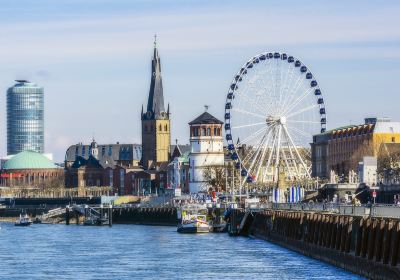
(165,216)
(363,245)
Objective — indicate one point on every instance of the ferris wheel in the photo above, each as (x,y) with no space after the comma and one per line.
(273,108)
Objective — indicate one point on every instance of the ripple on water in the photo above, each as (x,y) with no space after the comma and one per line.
(147,252)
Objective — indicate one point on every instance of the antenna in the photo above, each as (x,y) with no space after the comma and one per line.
(155,40)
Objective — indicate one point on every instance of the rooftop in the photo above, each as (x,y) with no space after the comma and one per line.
(29,160)
(206,118)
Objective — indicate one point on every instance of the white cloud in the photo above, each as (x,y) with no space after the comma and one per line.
(194,31)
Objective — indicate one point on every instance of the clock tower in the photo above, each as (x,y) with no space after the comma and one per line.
(156,129)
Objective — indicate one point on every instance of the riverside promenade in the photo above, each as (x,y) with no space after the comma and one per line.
(362,239)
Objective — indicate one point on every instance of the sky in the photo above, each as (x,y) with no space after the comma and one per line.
(93,58)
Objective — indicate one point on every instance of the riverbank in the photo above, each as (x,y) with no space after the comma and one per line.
(363,245)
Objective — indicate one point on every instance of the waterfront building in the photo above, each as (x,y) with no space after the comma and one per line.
(113,165)
(367,171)
(156,127)
(108,154)
(31,169)
(25,118)
(178,173)
(341,149)
(206,150)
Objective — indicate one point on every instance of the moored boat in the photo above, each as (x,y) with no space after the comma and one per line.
(193,219)
(23,221)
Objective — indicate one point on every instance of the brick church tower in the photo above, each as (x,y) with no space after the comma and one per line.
(156,129)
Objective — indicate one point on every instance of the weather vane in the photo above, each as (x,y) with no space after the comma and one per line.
(206,107)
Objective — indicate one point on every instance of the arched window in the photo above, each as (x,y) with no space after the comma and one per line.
(166,128)
(208,131)
(203,132)
(218,132)
(160,127)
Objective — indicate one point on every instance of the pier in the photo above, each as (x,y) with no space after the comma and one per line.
(363,240)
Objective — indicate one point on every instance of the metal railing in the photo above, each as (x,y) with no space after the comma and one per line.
(374,210)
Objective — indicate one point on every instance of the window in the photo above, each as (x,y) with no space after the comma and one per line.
(83,151)
(103,150)
(208,131)
(145,128)
(203,133)
(166,128)
(160,128)
(218,132)
(109,150)
(393,139)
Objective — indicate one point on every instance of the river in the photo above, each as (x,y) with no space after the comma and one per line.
(147,252)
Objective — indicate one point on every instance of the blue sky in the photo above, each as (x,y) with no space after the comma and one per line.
(93,58)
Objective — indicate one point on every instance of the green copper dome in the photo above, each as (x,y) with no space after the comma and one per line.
(29,160)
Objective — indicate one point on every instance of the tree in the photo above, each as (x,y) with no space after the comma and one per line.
(215,177)
(389,167)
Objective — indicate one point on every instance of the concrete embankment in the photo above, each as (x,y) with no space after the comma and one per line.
(367,246)
(146,216)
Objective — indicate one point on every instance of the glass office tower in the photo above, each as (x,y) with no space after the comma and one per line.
(25,124)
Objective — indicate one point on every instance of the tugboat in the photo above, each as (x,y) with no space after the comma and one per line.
(193,219)
(23,221)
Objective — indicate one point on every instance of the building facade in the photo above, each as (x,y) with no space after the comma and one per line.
(108,154)
(25,118)
(31,169)
(206,150)
(156,126)
(340,150)
(178,173)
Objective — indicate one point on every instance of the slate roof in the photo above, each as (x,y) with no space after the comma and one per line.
(108,154)
(206,118)
(155,103)
(91,162)
(178,150)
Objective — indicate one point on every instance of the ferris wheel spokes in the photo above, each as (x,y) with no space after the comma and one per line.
(271,107)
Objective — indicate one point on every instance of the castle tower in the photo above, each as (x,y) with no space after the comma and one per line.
(156,132)
(206,149)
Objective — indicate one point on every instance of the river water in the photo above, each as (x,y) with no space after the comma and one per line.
(147,252)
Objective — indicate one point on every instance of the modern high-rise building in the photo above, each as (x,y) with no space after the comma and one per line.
(25,123)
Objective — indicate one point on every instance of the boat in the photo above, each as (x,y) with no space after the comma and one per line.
(219,221)
(95,221)
(23,221)
(37,220)
(193,219)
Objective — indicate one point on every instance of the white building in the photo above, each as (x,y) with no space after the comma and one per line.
(367,171)
(206,149)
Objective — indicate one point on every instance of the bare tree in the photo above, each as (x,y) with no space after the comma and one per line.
(215,177)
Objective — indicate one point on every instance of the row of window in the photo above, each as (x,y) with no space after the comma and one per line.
(205,131)
(160,128)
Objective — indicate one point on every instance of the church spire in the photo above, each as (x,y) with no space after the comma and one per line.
(155,104)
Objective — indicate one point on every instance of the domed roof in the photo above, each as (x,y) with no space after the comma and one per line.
(29,160)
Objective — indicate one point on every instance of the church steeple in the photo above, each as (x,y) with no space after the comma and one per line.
(155,103)
(156,125)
